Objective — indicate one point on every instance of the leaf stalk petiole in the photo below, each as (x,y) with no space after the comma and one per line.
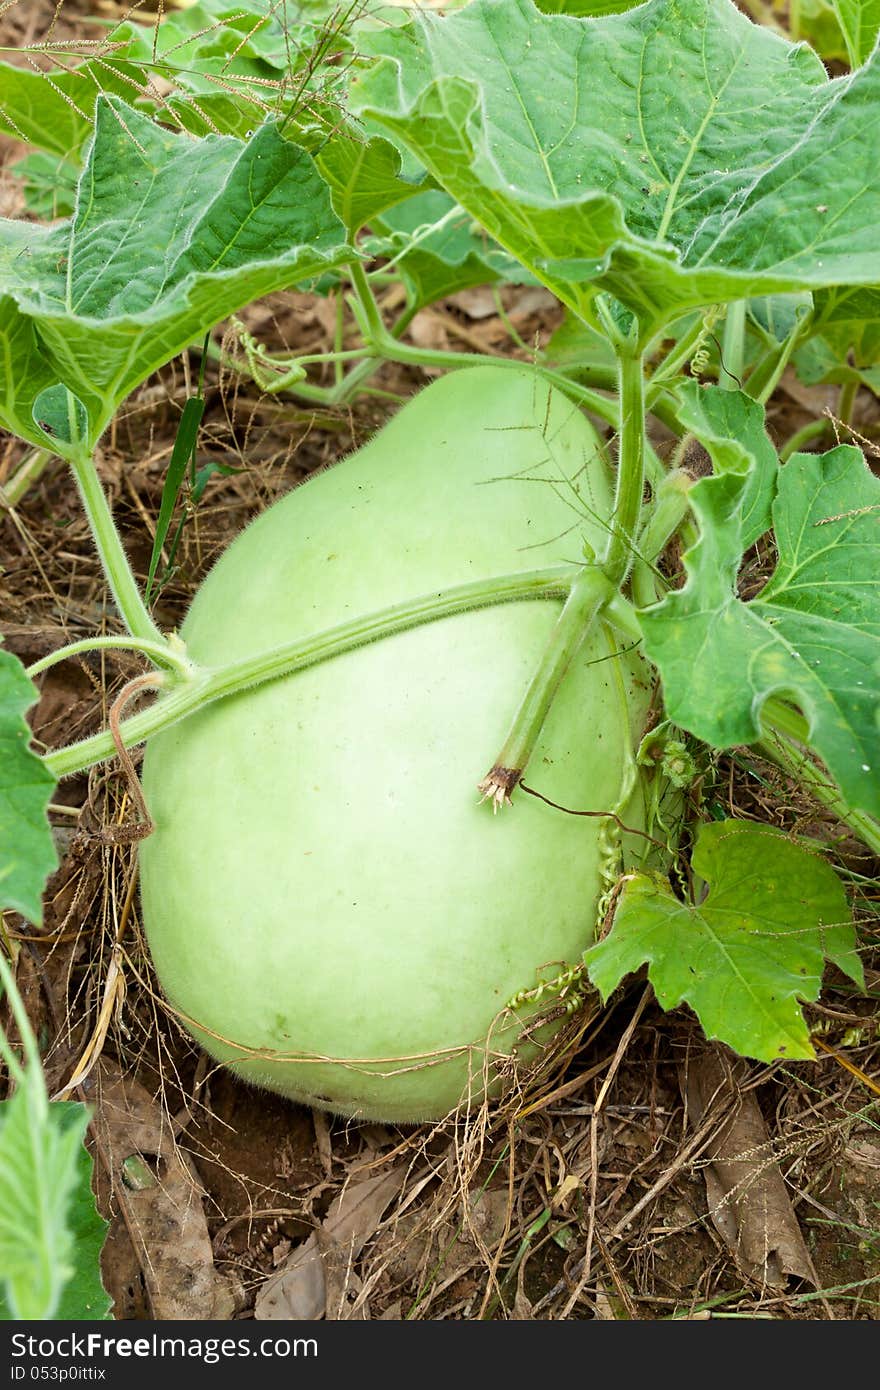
(589,593)
(205,685)
(114,560)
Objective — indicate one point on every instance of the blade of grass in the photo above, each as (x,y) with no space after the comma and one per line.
(181,454)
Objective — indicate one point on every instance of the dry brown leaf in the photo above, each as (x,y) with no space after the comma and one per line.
(748,1200)
(478,303)
(815,399)
(317,1278)
(532,300)
(451,1247)
(603,1307)
(523,1308)
(427,330)
(165,1219)
(864,1152)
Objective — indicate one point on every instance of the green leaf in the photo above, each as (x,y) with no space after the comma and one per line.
(860,22)
(48,184)
(778,315)
(364,177)
(60,414)
(50,1232)
(730,426)
(585,7)
(169,236)
(54,111)
(847,304)
(746,955)
(84,1296)
(38,1173)
(575,345)
(675,154)
(826,357)
(224,58)
(845,345)
(812,636)
(183,452)
(438,250)
(27,853)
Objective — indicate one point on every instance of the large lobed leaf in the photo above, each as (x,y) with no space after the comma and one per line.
(745,956)
(170,235)
(811,636)
(675,154)
(27,854)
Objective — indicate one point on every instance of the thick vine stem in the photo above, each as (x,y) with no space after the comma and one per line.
(28,472)
(170,654)
(586,598)
(114,560)
(730,375)
(787,754)
(670,506)
(765,376)
(596,586)
(206,685)
(620,550)
(380,342)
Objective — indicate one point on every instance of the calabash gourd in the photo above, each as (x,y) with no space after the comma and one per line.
(328,905)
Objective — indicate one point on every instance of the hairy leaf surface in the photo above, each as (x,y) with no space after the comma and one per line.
(364,177)
(747,955)
(811,636)
(27,854)
(675,154)
(170,235)
(50,1232)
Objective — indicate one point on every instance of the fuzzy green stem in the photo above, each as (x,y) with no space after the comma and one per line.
(730,376)
(794,19)
(213,684)
(29,471)
(161,653)
(765,376)
(846,401)
(785,752)
(586,598)
(28,1041)
(674,360)
(378,339)
(619,552)
(620,614)
(114,560)
(338,340)
(669,507)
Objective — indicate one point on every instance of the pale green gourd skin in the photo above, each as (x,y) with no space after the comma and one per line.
(322,881)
